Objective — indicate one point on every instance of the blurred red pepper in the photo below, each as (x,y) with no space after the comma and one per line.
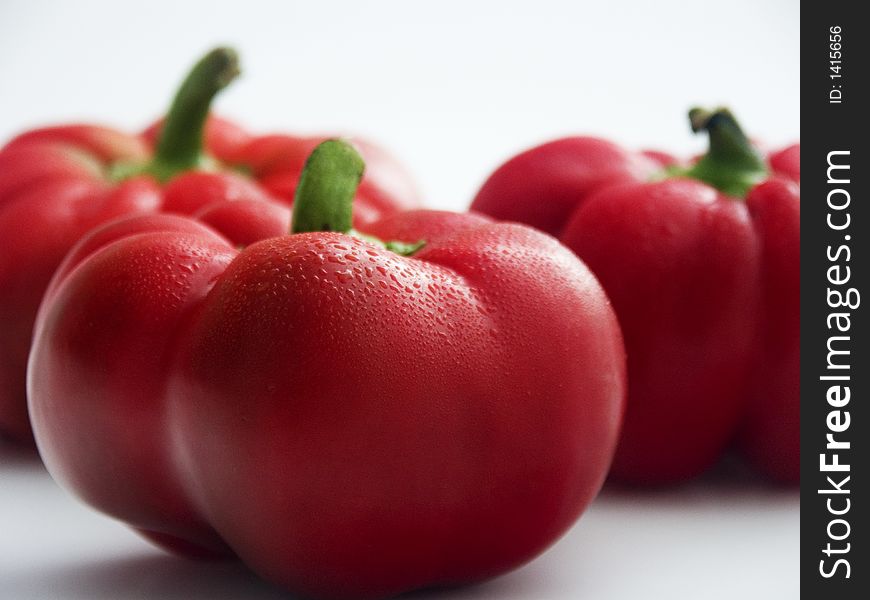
(350,421)
(57,183)
(702,266)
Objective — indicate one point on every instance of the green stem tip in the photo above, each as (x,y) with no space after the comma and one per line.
(180,144)
(732,164)
(325,192)
(181,138)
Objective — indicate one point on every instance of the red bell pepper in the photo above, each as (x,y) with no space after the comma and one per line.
(349,421)
(702,266)
(57,183)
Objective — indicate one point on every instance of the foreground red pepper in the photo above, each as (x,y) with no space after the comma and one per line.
(349,421)
(702,266)
(57,183)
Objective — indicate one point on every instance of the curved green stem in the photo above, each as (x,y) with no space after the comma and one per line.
(180,145)
(181,137)
(325,192)
(731,165)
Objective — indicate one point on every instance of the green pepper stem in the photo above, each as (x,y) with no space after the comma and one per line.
(180,146)
(324,194)
(732,165)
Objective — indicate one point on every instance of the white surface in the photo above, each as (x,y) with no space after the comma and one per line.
(715,539)
(454,88)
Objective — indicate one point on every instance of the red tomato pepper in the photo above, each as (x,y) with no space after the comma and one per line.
(702,266)
(350,421)
(57,183)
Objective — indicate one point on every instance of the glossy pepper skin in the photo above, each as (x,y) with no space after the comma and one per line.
(701,263)
(349,421)
(57,183)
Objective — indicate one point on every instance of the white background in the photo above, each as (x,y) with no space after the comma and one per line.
(453,88)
